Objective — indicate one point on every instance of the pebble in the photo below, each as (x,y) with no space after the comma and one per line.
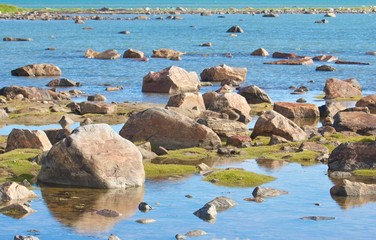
(145,220)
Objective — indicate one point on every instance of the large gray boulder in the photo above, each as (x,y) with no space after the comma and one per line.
(352,156)
(359,122)
(168,129)
(172,80)
(93,156)
(24,138)
(254,95)
(37,70)
(272,123)
(223,72)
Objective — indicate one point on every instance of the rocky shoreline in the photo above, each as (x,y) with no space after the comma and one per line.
(107,13)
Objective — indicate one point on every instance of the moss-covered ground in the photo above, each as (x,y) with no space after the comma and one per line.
(153,170)
(238,178)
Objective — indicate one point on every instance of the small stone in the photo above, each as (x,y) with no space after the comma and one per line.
(145,220)
(301,100)
(256,199)
(179,237)
(188,196)
(19,237)
(144,207)
(317,204)
(208,44)
(195,233)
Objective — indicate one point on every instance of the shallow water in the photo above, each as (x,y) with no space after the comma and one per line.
(347,36)
(67,213)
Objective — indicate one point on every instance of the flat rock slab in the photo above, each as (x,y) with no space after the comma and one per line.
(267,192)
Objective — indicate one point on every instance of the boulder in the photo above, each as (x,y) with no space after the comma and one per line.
(297,110)
(108,54)
(330,14)
(284,55)
(171,80)
(93,108)
(235,29)
(169,129)
(225,128)
(63,82)
(264,192)
(300,61)
(368,101)
(330,109)
(325,68)
(24,138)
(31,93)
(55,135)
(325,58)
(353,189)
(359,122)
(93,156)
(272,123)
(37,70)
(223,72)
(207,212)
(97,98)
(353,156)
(167,53)
(187,101)
(254,95)
(209,98)
(132,53)
(232,104)
(260,52)
(336,88)
(13,191)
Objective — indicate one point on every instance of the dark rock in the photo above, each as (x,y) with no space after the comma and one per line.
(235,29)
(359,122)
(264,192)
(284,55)
(300,61)
(351,62)
(326,68)
(254,95)
(207,212)
(10,39)
(317,218)
(352,156)
(132,53)
(108,213)
(144,207)
(55,135)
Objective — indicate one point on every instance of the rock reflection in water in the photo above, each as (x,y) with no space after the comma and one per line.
(350,202)
(271,164)
(75,207)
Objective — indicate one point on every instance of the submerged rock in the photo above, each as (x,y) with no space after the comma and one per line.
(196,233)
(318,218)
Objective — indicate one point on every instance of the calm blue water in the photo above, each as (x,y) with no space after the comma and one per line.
(189,3)
(347,36)
(275,218)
